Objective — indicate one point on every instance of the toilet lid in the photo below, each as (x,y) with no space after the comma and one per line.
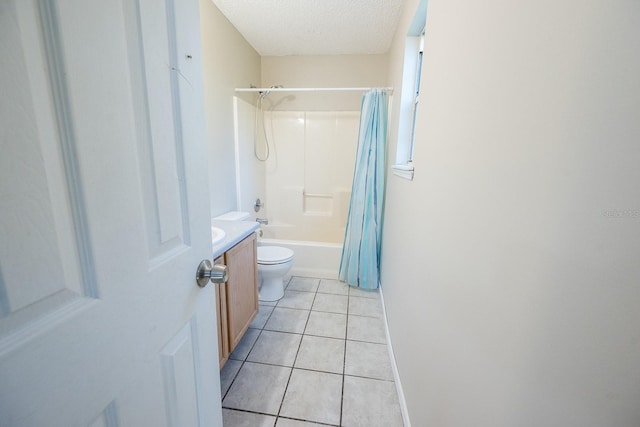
(273,255)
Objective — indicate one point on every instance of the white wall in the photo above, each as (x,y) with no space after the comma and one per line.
(322,71)
(315,140)
(250,180)
(309,173)
(228,62)
(510,264)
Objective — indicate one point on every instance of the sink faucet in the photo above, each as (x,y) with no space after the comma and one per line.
(263,221)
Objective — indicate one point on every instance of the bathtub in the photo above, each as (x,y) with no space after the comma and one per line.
(310,259)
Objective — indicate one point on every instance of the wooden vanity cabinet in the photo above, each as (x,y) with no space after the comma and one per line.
(242,288)
(237,299)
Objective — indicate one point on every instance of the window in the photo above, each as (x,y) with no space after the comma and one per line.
(416,97)
(410,96)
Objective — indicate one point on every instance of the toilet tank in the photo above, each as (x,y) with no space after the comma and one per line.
(233,216)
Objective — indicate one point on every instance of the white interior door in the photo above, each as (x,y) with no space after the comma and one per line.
(104,216)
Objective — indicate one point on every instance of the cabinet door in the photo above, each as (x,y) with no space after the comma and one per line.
(221,310)
(242,288)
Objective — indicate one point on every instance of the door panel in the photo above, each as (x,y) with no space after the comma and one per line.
(181,375)
(155,93)
(41,219)
(104,217)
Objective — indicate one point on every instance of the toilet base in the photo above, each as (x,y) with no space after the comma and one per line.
(271,289)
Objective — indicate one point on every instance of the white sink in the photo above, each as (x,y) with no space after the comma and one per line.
(217,235)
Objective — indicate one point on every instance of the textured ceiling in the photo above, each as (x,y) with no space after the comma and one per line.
(314,27)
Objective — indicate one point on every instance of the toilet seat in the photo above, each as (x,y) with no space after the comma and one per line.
(270,255)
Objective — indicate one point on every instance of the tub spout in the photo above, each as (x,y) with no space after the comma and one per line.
(263,221)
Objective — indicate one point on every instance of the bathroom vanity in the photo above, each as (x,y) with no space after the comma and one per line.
(237,299)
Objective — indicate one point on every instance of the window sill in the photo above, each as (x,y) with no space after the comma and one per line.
(403,171)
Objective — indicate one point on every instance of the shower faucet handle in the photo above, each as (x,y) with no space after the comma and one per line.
(263,221)
(258,205)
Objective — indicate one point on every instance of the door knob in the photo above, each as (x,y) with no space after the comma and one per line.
(208,272)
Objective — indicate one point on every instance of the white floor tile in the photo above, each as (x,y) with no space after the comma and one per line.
(264,311)
(370,329)
(232,418)
(227,374)
(369,360)
(365,307)
(297,299)
(286,422)
(287,320)
(275,348)
(244,346)
(304,284)
(333,325)
(370,403)
(313,396)
(296,351)
(364,293)
(331,303)
(321,354)
(329,286)
(258,388)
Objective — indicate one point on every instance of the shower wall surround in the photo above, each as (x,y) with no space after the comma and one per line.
(305,183)
(309,173)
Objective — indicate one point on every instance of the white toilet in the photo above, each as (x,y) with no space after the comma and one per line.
(273,263)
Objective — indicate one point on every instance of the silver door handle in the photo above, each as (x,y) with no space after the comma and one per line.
(208,272)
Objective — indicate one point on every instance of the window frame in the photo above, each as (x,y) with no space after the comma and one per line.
(410,94)
(416,99)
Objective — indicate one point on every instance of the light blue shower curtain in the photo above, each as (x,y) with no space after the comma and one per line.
(360,262)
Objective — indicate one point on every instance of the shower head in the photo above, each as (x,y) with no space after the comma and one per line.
(267,92)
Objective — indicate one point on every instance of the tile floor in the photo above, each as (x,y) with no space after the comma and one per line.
(316,357)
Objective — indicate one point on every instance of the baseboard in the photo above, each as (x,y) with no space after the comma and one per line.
(394,367)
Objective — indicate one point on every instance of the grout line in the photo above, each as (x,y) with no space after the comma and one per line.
(286,388)
(307,421)
(301,369)
(278,417)
(249,352)
(345,339)
(368,342)
(364,315)
(330,312)
(283,332)
(294,361)
(242,361)
(273,308)
(248,411)
(369,378)
(344,358)
(330,338)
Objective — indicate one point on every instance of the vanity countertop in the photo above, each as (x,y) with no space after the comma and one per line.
(235,231)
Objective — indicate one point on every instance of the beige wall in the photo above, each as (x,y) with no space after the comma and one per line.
(510,264)
(228,62)
(322,71)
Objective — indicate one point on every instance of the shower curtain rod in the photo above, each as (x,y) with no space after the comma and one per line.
(309,89)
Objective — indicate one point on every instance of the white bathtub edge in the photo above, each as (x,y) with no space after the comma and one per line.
(311,259)
(316,273)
